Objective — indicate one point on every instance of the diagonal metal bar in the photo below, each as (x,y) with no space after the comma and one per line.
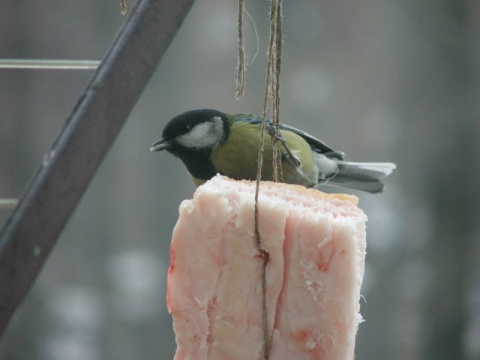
(87,135)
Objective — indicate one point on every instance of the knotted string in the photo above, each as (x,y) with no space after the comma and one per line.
(272,92)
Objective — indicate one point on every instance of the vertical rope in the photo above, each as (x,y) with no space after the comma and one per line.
(123,7)
(241,66)
(275,60)
(272,91)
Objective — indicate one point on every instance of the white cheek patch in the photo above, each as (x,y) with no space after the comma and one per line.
(203,135)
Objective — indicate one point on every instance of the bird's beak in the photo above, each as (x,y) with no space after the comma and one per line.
(159,145)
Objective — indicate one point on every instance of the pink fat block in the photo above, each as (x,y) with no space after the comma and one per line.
(316,243)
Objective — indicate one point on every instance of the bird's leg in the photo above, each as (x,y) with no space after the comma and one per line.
(292,159)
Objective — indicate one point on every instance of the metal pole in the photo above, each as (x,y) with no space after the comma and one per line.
(89,132)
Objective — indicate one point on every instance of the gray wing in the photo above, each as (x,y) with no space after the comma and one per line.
(316,144)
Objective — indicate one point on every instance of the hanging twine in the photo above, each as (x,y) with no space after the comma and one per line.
(273,86)
(272,91)
(242,58)
(241,66)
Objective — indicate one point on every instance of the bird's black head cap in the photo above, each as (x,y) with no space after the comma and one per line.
(192,136)
(183,123)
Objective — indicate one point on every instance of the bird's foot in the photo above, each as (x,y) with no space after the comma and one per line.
(289,156)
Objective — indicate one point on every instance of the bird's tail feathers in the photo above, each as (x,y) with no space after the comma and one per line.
(362,176)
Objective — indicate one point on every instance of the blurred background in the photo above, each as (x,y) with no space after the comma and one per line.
(381,80)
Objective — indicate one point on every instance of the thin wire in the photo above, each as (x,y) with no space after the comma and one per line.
(250,62)
(39,64)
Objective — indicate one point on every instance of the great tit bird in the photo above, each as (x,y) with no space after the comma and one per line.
(210,142)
